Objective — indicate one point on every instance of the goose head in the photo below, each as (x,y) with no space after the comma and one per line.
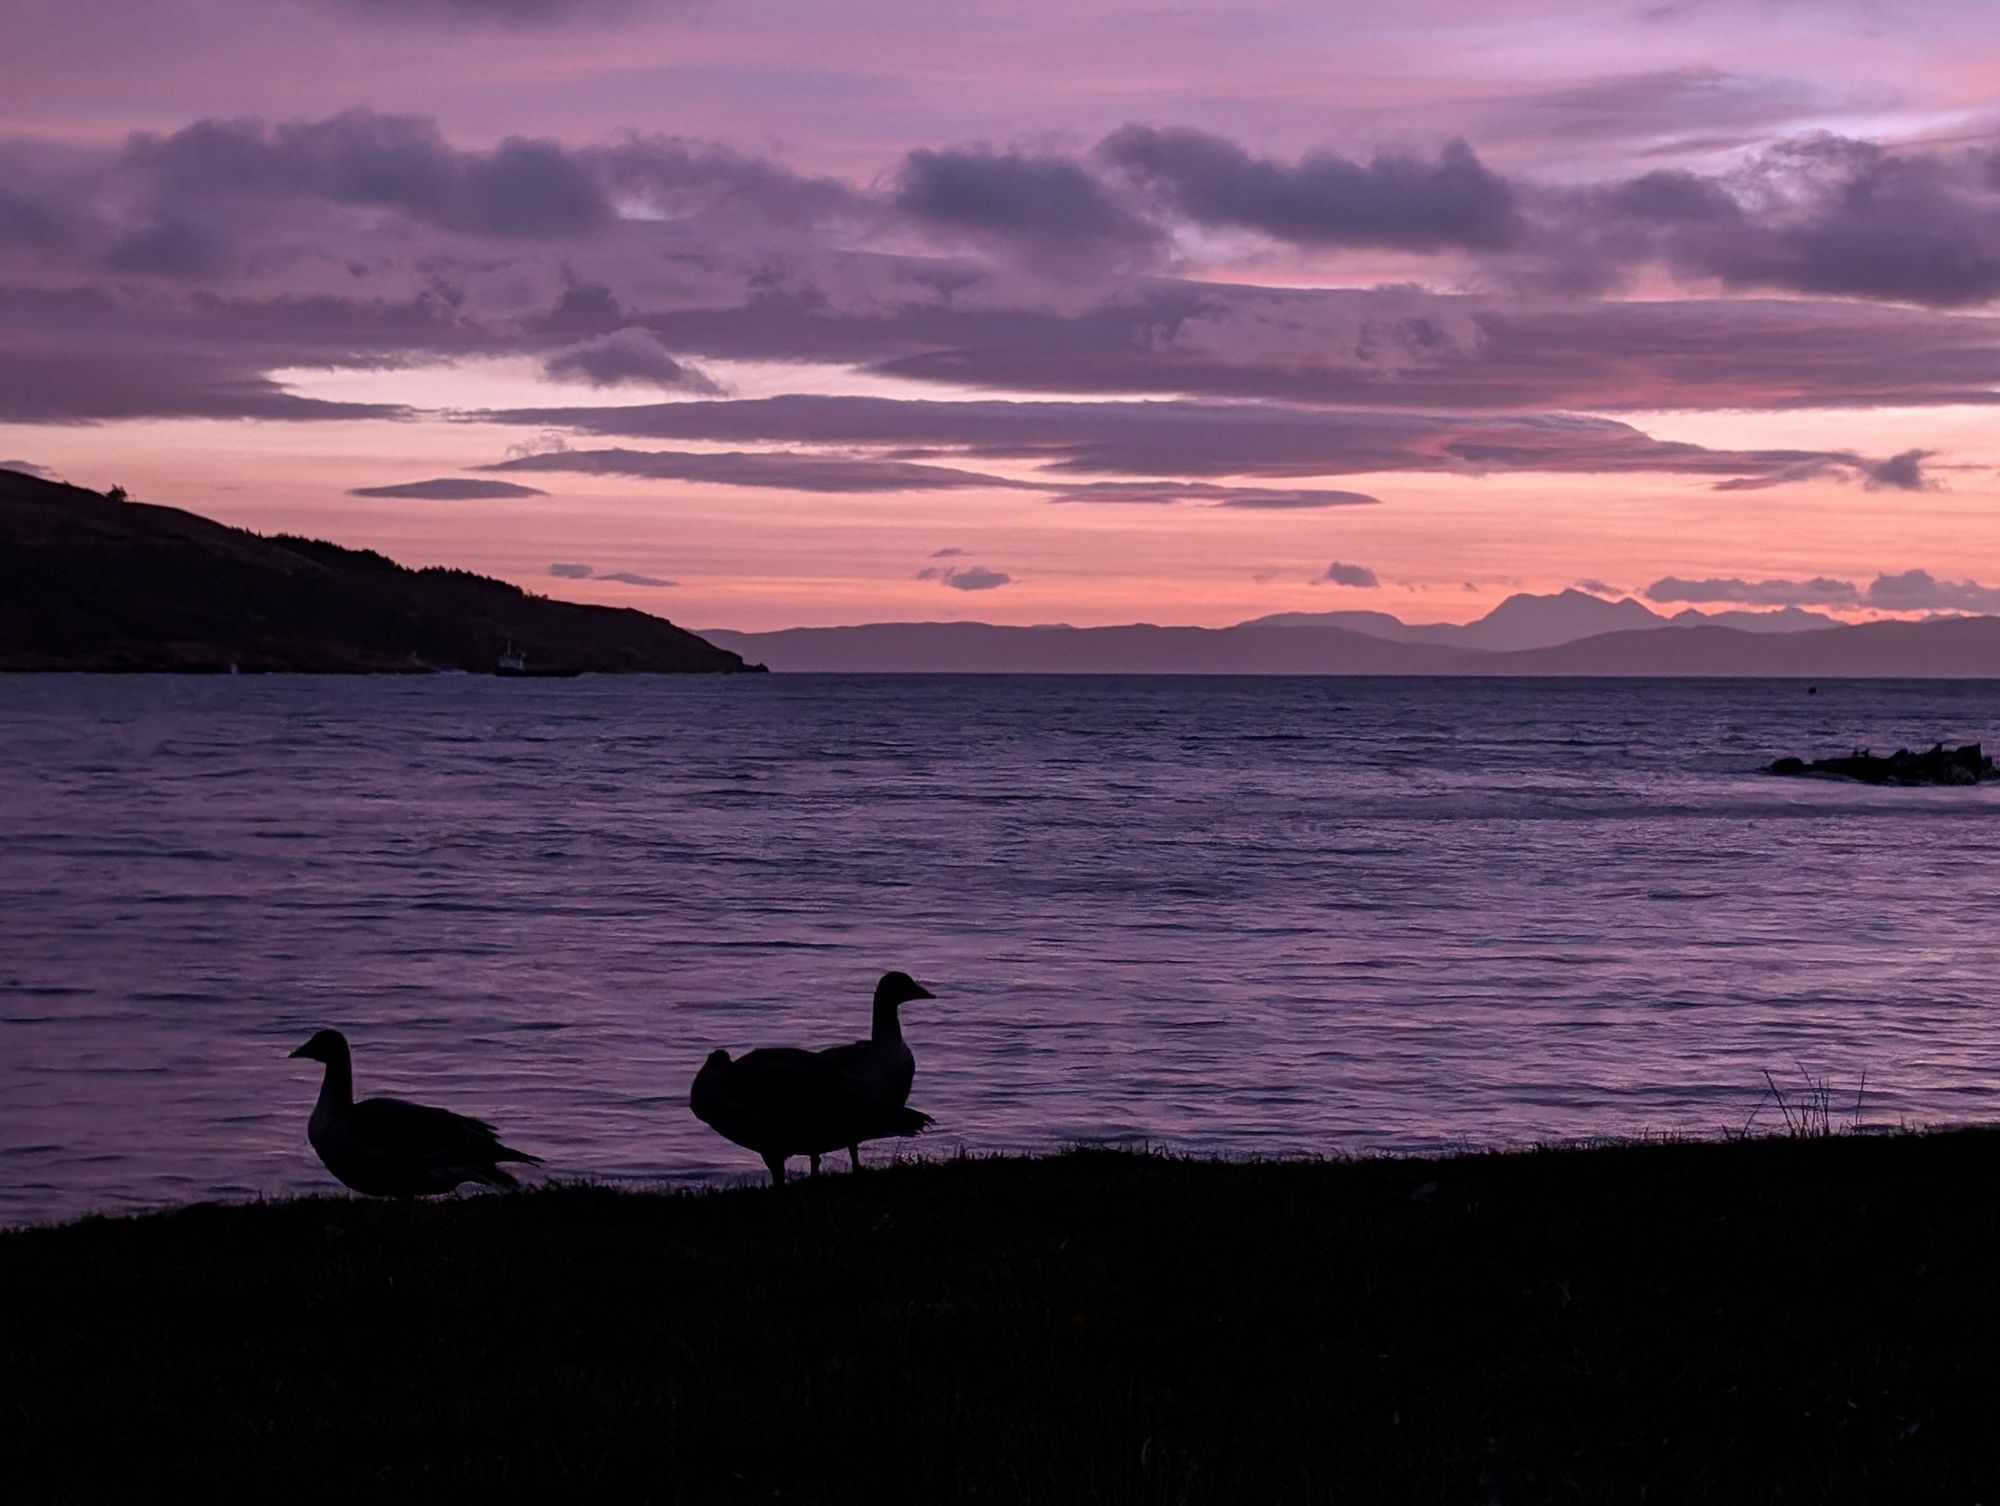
(899,988)
(327,1046)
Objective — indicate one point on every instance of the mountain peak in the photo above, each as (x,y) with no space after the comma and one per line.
(1525,620)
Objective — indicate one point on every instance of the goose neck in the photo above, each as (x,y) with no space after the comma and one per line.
(336,1089)
(888,1027)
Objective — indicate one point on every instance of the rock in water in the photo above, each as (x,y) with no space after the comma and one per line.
(1941,765)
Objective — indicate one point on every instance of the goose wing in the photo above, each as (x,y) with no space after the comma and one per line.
(429,1134)
(885,1072)
(793,1078)
(812,1102)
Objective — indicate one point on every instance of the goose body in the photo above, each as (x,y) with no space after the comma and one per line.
(385,1147)
(782,1101)
(883,1064)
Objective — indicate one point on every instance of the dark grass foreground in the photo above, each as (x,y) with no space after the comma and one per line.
(1766,1321)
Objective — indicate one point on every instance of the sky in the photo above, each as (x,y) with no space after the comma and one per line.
(764,313)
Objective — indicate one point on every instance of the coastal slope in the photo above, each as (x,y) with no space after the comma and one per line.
(92,583)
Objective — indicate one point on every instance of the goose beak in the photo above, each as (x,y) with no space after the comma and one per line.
(290,1054)
(922,992)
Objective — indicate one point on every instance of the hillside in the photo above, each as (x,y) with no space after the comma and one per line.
(1959,648)
(88,583)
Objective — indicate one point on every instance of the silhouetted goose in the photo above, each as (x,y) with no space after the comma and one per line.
(388,1148)
(781,1101)
(883,1064)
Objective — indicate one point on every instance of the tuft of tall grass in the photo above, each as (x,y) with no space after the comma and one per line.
(1807,1111)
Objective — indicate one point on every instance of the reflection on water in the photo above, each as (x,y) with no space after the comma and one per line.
(1237,916)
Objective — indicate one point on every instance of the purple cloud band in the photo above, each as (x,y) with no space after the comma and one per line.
(1194,439)
(808,472)
(449,489)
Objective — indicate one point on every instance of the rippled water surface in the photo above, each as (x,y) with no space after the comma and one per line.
(1237,916)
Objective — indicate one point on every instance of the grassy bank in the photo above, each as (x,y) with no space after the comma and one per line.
(1782,1320)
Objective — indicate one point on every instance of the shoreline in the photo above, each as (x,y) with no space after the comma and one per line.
(1771,1318)
(899,1155)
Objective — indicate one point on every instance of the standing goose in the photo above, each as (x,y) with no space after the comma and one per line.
(385,1147)
(782,1101)
(883,1064)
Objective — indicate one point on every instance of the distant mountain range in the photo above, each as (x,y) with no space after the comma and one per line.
(1527,621)
(91,582)
(1568,633)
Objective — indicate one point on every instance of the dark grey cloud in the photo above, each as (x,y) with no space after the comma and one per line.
(219,198)
(1340,574)
(28,468)
(947,554)
(1901,472)
(1816,214)
(38,222)
(629,357)
(1343,347)
(199,188)
(1817,592)
(1052,209)
(40,384)
(1396,201)
(780,470)
(120,351)
(1909,591)
(570,571)
(1820,214)
(1599,588)
(449,489)
(1919,590)
(87,355)
(588,309)
(966,578)
(715,188)
(1859,221)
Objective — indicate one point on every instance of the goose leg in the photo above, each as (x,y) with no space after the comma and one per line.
(777,1166)
(854,1157)
(815,1163)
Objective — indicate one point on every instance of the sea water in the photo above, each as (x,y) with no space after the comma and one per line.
(1230,916)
